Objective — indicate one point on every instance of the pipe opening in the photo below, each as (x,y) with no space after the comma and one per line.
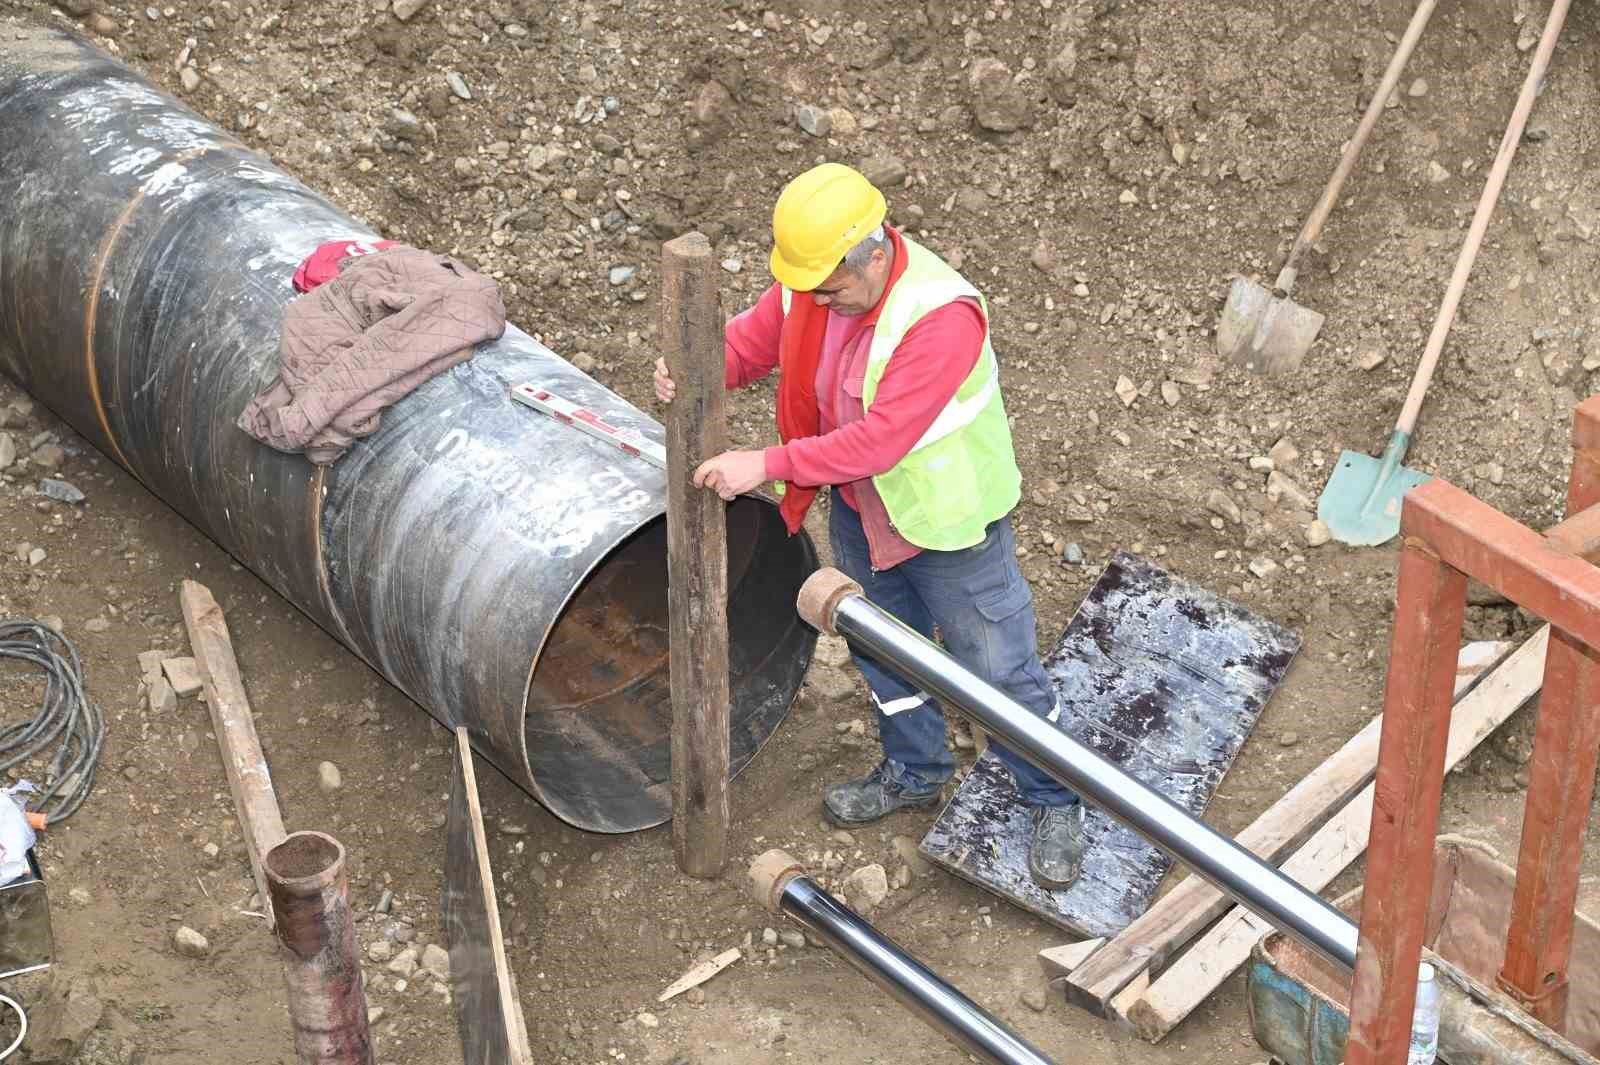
(599,708)
(303,855)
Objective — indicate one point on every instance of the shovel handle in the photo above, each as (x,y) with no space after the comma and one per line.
(1330,195)
(1480,218)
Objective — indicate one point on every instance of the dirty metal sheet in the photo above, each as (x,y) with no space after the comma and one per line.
(1162,678)
(488,1010)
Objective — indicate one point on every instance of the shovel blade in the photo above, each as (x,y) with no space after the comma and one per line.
(1265,333)
(1361,504)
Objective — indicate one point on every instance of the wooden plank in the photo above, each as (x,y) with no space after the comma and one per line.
(1162,678)
(1060,961)
(701,973)
(1190,980)
(488,1010)
(248,777)
(697,556)
(1190,907)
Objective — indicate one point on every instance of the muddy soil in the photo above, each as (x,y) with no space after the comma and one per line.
(1102,170)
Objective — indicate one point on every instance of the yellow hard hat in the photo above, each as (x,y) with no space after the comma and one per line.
(819,216)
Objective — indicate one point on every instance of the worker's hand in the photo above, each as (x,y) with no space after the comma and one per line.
(732,473)
(665,389)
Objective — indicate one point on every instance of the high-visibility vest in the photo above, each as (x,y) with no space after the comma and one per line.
(962,474)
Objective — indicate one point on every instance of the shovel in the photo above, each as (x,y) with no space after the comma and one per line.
(1267,332)
(1361,503)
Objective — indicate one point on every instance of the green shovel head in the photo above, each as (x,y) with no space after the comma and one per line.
(1361,503)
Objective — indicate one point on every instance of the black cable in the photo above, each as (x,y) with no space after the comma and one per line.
(66,721)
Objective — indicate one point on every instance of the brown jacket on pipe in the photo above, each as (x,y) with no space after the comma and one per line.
(353,346)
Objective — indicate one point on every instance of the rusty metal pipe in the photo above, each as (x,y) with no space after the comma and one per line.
(321,965)
(505,571)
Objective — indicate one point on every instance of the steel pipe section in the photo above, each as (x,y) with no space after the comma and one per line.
(833,603)
(780,884)
(503,570)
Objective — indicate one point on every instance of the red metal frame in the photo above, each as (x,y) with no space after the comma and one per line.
(1447,536)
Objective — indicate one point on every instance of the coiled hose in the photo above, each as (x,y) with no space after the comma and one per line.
(66,721)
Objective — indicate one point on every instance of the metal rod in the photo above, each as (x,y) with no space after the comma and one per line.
(321,966)
(781,885)
(832,602)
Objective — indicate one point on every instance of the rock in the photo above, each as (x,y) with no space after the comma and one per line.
(833,651)
(843,838)
(998,103)
(458,85)
(1072,555)
(328,777)
(76,8)
(211,850)
(1418,88)
(61,491)
(648,1020)
(1058,73)
(1261,464)
(61,1024)
(1318,533)
(1127,196)
(1044,257)
(104,25)
(50,456)
(831,685)
(792,939)
(1288,739)
(405,10)
(1370,360)
(1126,390)
(150,662)
(1034,999)
(190,944)
(189,78)
(381,951)
(884,171)
(583,362)
(769,937)
(163,700)
(972,199)
(1221,504)
(183,674)
(1170,394)
(867,886)
(695,996)
(1436,173)
(1284,492)
(404,964)
(1492,472)
(844,121)
(8,450)
(97,625)
(374,1015)
(436,960)
(1263,567)
(621,275)
(1283,453)
(36,556)
(906,849)
(733,266)
(814,120)
(385,902)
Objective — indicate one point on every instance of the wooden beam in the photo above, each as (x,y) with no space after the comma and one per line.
(1190,907)
(697,556)
(248,777)
(1060,961)
(1189,981)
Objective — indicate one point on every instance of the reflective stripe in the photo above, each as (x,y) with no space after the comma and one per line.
(787,297)
(960,413)
(895,706)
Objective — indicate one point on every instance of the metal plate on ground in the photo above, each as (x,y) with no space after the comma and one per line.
(1158,676)
(488,1011)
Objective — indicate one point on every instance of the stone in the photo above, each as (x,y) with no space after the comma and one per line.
(436,960)
(50,456)
(62,1023)
(814,120)
(1044,257)
(97,625)
(374,1015)
(385,902)
(1170,394)
(884,171)
(1034,999)
(328,777)
(583,362)
(61,491)
(999,104)
(792,939)
(211,850)
(695,996)
(1283,453)
(621,275)
(163,700)
(183,674)
(833,651)
(1126,390)
(381,951)
(150,662)
(1072,554)
(458,85)
(1418,88)
(190,944)
(1288,739)
(769,937)
(1318,533)
(1127,197)
(404,964)
(1261,464)
(733,266)
(648,1020)
(8,450)
(1282,490)
(1058,72)
(843,838)
(1222,505)
(1437,174)
(1263,567)
(1370,360)
(189,78)
(405,10)
(906,849)
(867,886)
(1492,472)
(104,25)
(36,556)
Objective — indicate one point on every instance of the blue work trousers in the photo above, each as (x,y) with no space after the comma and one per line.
(983,608)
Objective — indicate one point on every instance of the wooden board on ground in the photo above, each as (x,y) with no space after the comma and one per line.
(701,973)
(488,1011)
(1192,905)
(248,778)
(1164,679)
(1190,980)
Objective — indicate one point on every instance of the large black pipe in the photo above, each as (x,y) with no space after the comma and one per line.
(505,571)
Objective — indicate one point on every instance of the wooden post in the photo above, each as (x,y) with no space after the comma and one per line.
(697,556)
(1430,600)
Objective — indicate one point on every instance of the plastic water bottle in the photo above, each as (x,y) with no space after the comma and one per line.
(1425,1021)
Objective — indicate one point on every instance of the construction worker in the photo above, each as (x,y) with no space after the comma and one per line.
(889,392)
